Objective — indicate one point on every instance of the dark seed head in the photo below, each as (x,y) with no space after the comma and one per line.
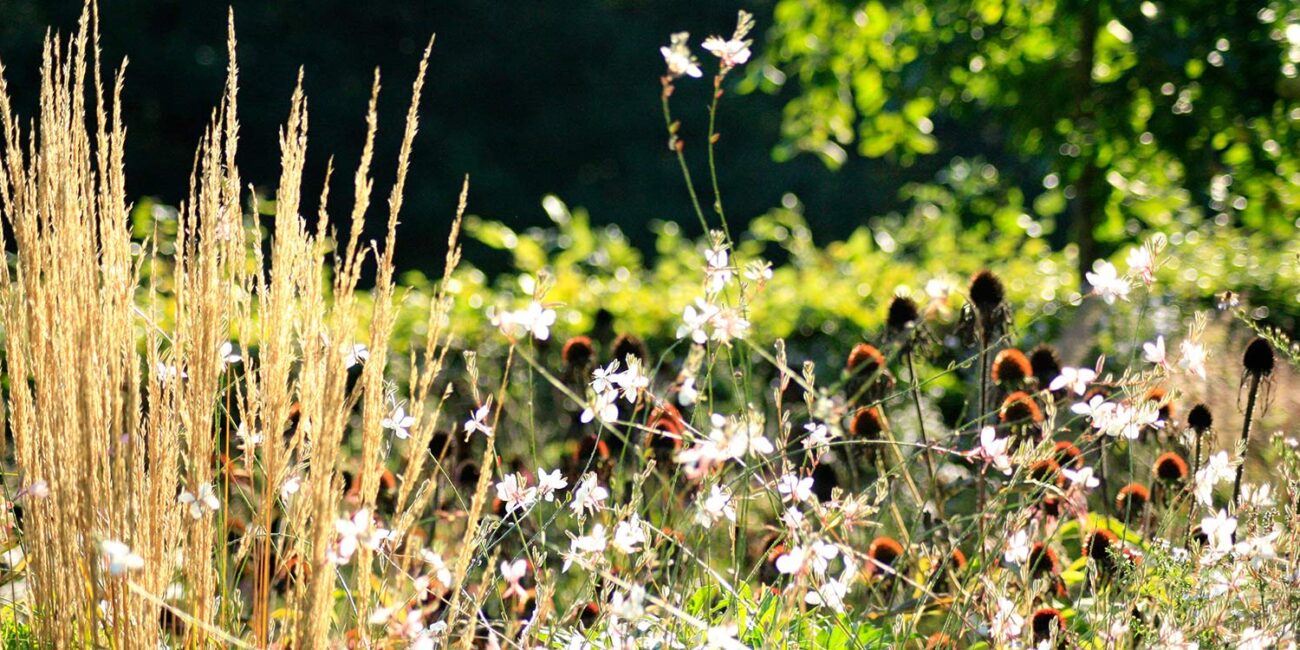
(1011,366)
(578,353)
(1047,622)
(1200,419)
(1099,548)
(1258,358)
(987,292)
(1132,498)
(1045,363)
(1170,468)
(902,314)
(867,423)
(1020,407)
(865,360)
(884,550)
(629,345)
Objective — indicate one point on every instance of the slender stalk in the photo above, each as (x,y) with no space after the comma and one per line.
(1255,379)
(676,144)
(920,423)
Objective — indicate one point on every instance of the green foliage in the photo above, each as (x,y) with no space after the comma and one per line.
(1133,114)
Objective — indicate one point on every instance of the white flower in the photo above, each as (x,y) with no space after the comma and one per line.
(1258,549)
(717,268)
(1142,263)
(722,637)
(1259,496)
(602,379)
(815,557)
(1219,530)
(1075,379)
(399,422)
(248,440)
(728,326)
(604,408)
(993,450)
(1097,410)
(290,486)
(1255,639)
(580,548)
(354,532)
(1171,638)
(168,373)
(229,353)
(695,318)
(629,535)
(746,438)
(1018,548)
(587,495)
(1107,282)
(1006,623)
(687,395)
(829,594)
(513,573)
(1217,469)
(1193,358)
(732,53)
(794,487)
(535,319)
(679,58)
(478,420)
(715,506)
(358,353)
(40,489)
(1155,352)
(513,490)
(206,498)
(819,436)
(119,557)
(1082,478)
(437,567)
(549,484)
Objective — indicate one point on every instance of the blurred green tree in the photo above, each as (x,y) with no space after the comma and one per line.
(1120,115)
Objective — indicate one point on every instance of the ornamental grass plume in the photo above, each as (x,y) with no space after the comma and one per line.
(131,405)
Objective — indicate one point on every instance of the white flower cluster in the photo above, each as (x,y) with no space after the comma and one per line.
(608,384)
(1120,419)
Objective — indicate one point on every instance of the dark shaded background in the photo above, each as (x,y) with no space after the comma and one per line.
(528,98)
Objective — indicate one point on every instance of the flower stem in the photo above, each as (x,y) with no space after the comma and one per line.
(1245,437)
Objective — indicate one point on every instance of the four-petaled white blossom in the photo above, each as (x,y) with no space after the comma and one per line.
(119,557)
(1142,263)
(794,487)
(354,532)
(514,491)
(1018,548)
(1218,469)
(535,319)
(478,420)
(358,353)
(549,484)
(677,54)
(716,505)
(1155,352)
(205,498)
(1107,282)
(1193,358)
(993,450)
(1083,478)
(1074,379)
(399,423)
(229,353)
(629,535)
(513,573)
(582,548)
(588,496)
